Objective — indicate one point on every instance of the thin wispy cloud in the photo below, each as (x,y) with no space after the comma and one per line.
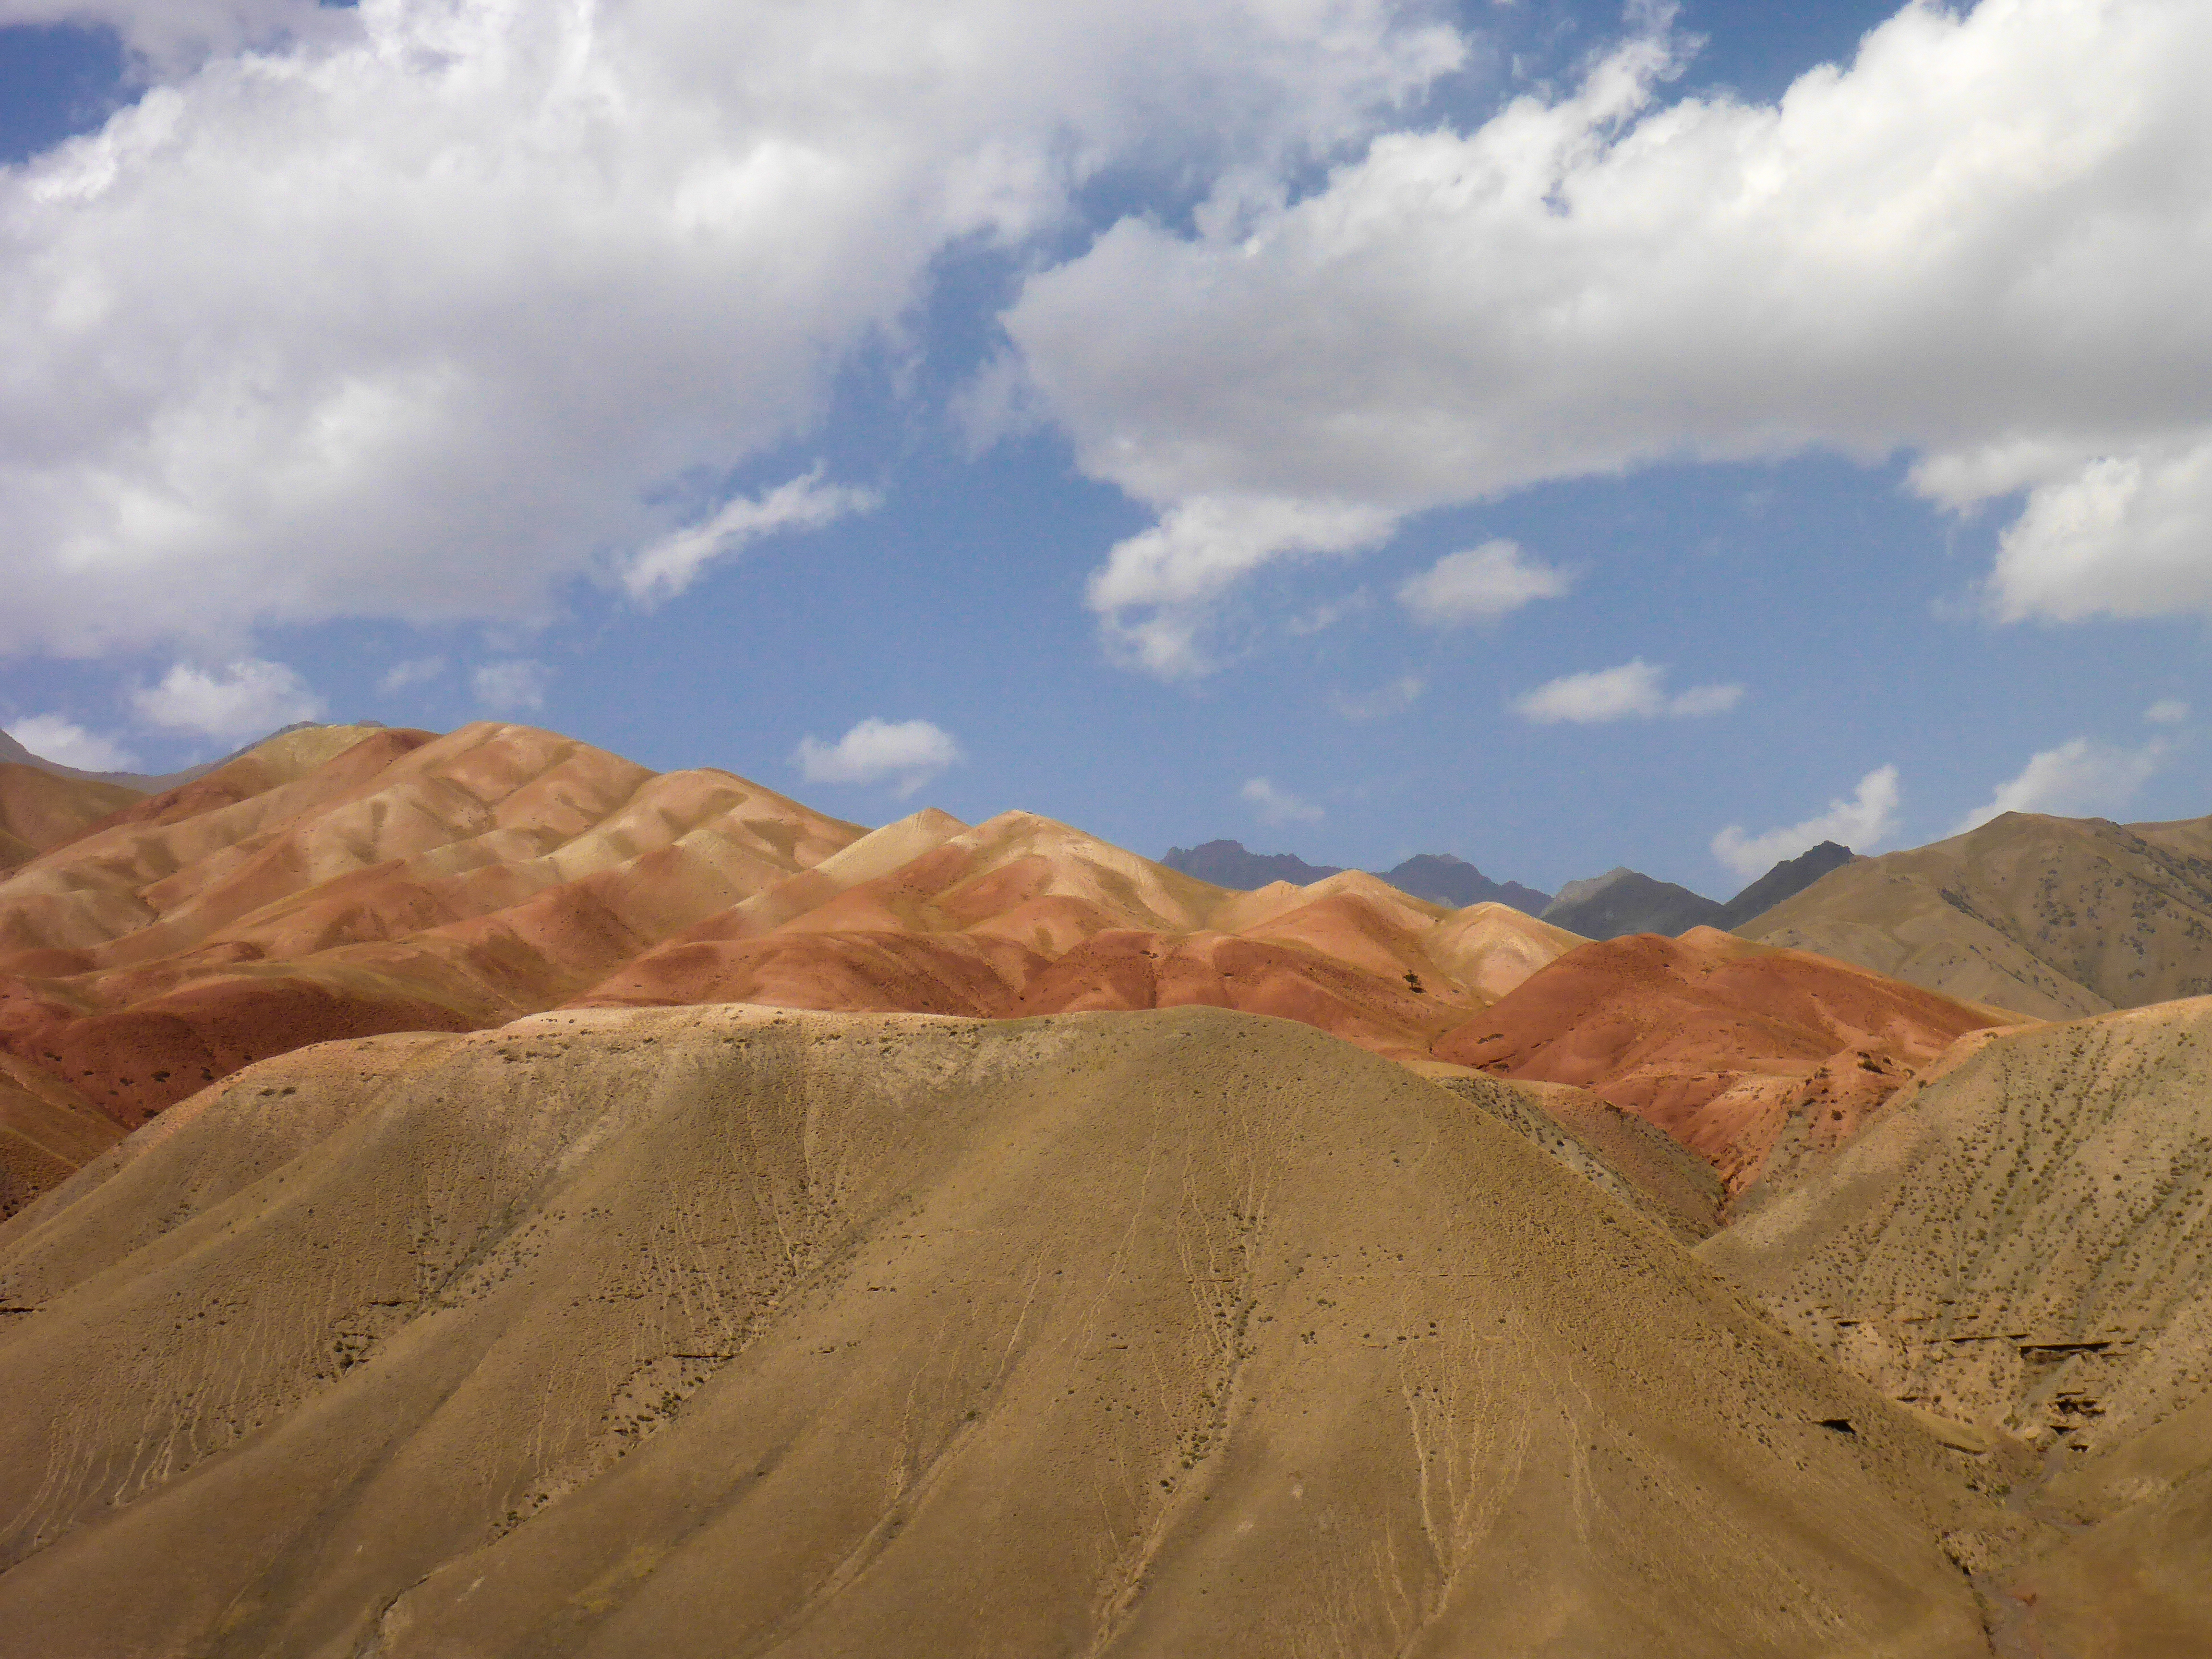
(58,738)
(1635,690)
(1480,585)
(246,698)
(2081,778)
(1277,806)
(907,754)
(660,571)
(513,685)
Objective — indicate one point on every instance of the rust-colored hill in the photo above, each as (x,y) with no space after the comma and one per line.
(2055,917)
(1719,1043)
(38,809)
(1022,915)
(707,1331)
(343,881)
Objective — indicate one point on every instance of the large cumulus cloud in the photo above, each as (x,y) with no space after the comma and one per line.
(1983,244)
(419,310)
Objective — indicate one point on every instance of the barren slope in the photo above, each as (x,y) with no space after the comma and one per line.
(1022,915)
(2055,917)
(38,809)
(338,882)
(2025,1239)
(1718,1042)
(718,1330)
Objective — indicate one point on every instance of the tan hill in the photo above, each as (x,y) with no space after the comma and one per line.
(717,1330)
(1638,1163)
(2055,917)
(38,809)
(342,882)
(2023,1241)
(1719,1043)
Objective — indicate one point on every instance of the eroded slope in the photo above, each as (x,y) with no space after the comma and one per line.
(718,1330)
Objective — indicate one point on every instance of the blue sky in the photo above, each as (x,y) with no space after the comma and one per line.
(1553,435)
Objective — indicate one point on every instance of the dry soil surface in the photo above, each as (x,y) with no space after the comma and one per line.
(726,1330)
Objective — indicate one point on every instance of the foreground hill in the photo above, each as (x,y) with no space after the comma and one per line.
(1719,1043)
(346,882)
(2055,917)
(717,1330)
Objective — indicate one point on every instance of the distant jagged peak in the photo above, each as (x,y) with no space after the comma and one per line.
(1442,878)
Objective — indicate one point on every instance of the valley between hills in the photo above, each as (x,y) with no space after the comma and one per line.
(467,1194)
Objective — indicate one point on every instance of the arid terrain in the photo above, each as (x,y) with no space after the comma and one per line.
(472,1194)
(2054,917)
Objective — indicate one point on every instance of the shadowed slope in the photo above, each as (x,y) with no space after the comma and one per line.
(47,1132)
(38,809)
(2055,917)
(714,1331)
(1718,1042)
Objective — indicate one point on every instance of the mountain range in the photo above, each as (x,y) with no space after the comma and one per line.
(1439,877)
(467,1191)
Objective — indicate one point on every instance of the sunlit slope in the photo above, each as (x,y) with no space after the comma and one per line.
(1021,915)
(2023,1241)
(1720,1042)
(718,1330)
(2055,917)
(403,882)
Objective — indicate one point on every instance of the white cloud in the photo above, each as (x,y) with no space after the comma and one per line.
(173,33)
(62,741)
(1394,698)
(669,565)
(2080,779)
(1862,822)
(433,307)
(512,685)
(1635,690)
(415,671)
(247,698)
(1980,244)
(2170,711)
(1279,806)
(1489,580)
(1155,593)
(874,751)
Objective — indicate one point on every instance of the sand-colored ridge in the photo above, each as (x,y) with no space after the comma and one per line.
(2054,917)
(1159,1334)
(2023,1240)
(1721,1042)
